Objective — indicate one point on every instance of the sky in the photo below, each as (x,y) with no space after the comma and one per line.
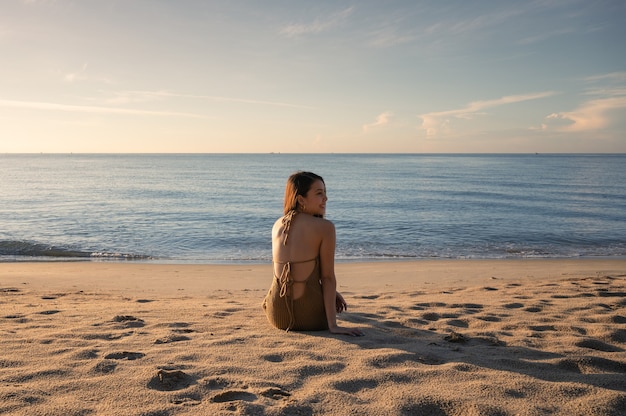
(288,76)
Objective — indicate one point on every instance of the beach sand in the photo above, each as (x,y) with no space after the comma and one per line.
(461,337)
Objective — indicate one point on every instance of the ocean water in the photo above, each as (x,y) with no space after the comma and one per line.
(219,208)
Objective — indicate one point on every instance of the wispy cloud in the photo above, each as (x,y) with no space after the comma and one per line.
(591,115)
(388,37)
(536,38)
(607,96)
(435,122)
(478,23)
(381,120)
(318,25)
(617,77)
(34,105)
(134,96)
(435,31)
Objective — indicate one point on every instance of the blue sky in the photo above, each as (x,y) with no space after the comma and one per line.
(312,76)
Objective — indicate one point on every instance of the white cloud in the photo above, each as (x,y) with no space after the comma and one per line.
(437,122)
(591,115)
(318,25)
(607,96)
(381,120)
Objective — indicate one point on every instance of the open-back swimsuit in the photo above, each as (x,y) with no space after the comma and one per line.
(307,313)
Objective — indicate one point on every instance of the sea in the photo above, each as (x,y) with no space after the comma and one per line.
(220,208)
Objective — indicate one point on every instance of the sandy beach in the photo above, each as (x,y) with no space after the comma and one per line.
(460,337)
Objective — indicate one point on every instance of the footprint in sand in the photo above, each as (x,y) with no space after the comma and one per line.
(50,312)
(184,331)
(86,354)
(233,395)
(187,399)
(18,318)
(104,367)
(172,338)
(618,336)
(431,316)
(221,314)
(273,358)
(489,318)
(179,325)
(181,328)
(275,393)
(542,328)
(368,297)
(124,355)
(460,323)
(168,380)
(605,293)
(456,338)
(129,321)
(427,406)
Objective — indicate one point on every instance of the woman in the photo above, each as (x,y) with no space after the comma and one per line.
(303,295)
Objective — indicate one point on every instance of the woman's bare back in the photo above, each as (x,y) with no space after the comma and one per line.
(295,244)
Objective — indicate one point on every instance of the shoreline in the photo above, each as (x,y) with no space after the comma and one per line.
(357,276)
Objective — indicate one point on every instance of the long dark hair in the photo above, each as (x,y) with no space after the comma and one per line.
(298,184)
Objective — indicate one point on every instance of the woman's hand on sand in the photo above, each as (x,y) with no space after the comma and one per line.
(340,303)
(354,332)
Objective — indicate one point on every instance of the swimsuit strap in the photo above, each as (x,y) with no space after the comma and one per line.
(296,262)
(285,280)
(287,224)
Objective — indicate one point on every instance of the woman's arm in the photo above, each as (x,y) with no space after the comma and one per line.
(327,268)
(329,281)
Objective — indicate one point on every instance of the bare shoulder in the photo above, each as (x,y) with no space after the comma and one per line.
(278,222)
(278,226)
(325,225)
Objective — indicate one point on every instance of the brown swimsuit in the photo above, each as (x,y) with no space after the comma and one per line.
(307,313)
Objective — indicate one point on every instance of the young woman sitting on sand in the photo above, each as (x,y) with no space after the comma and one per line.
(303,295)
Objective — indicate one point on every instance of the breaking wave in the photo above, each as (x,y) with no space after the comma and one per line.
(26,250)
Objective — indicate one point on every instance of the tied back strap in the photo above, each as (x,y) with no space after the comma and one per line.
(287,224)
(285,281)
